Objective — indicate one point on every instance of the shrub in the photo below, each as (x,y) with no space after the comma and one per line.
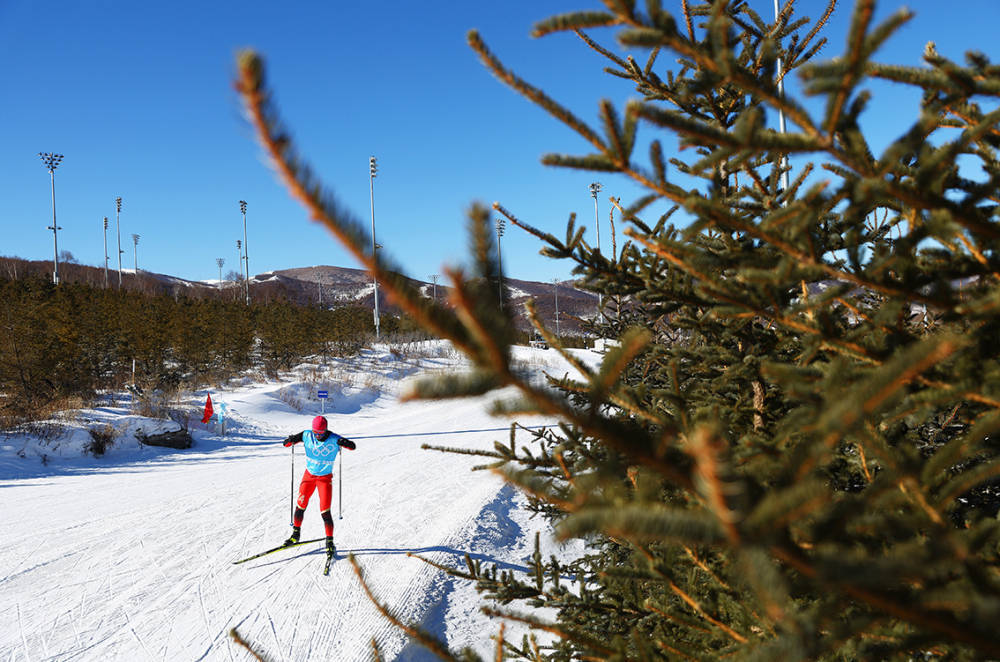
(101,438)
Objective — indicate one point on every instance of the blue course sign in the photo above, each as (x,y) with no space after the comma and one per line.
(322,394)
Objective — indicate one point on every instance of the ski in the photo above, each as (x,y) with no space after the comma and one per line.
(277,549)
(326,566)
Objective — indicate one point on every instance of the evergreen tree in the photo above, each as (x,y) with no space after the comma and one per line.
(60,345)
(791,452)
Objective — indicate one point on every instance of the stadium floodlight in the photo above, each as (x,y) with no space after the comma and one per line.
(555,289)
(246,251)
(595,188)
(135,253)
(781,113)
(118,224)
(434,279)
(220,261)
(105,252)
(51,162)
(501,225)
(372,172)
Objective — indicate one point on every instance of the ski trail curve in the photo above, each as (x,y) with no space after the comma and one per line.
(137,558)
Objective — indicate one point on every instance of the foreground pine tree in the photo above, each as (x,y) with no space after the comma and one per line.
(792,452)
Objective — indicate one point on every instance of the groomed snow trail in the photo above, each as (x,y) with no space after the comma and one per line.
(133,561)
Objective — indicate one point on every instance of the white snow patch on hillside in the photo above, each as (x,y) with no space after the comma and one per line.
(129,555)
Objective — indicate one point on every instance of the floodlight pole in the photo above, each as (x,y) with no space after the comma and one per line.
(105,252)
(118,225)
(372,171)
(135,254)
(434,279)
(555,289)
(595,188)
(239,251)
(246,251)
(220,261)
(51,162)
(781,113)
(501,224)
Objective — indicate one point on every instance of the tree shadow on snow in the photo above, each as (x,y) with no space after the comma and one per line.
(444,432)
(383,551)
(475,556)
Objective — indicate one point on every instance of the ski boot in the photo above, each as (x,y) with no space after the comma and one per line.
(330,549)
(294,538)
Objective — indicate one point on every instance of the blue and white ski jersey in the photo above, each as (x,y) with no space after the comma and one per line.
(320,455)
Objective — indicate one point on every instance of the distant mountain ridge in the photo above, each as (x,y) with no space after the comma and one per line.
(345,285)
(325,285)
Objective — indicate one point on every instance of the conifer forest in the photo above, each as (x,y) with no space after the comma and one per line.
(791,451)
(62,345)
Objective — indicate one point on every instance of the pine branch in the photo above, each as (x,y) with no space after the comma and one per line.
(575,21)
(428,641)
(644,522)
(941,622)
(565,633)
(863,11)
(706,450)
(532,93)
(600,49)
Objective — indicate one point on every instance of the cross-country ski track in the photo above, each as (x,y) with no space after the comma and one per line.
(130,557)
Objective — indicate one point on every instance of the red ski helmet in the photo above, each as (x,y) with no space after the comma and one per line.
(319,425)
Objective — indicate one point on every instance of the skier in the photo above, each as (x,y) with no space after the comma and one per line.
(321,447)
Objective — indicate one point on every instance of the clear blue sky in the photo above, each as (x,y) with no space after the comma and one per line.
(138,96)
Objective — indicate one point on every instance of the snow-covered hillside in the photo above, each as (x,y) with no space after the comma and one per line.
(129,556)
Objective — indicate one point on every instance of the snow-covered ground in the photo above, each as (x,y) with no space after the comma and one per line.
(128,556)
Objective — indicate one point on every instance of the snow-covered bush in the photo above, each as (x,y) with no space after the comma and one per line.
(102,436)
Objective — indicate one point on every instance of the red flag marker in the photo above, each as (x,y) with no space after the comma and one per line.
(208,410)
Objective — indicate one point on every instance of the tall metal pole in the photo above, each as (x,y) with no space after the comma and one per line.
(434,279)
(372,171)
(781,113)
(105,252)
(219,261)
(51,162)
(246,250)
(55,231)
(555,288)
(595,188)
(118,224)
(135,253)
(501,224)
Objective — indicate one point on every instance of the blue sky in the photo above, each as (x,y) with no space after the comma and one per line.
(138,97)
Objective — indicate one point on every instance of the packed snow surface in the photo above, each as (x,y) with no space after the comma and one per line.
(129,556)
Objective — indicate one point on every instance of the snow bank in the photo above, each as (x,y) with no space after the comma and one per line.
(79,439)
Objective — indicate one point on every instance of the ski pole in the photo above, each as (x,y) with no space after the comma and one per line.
(291,492)
(340,486)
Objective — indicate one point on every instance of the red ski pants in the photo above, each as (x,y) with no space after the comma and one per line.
(323,485)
